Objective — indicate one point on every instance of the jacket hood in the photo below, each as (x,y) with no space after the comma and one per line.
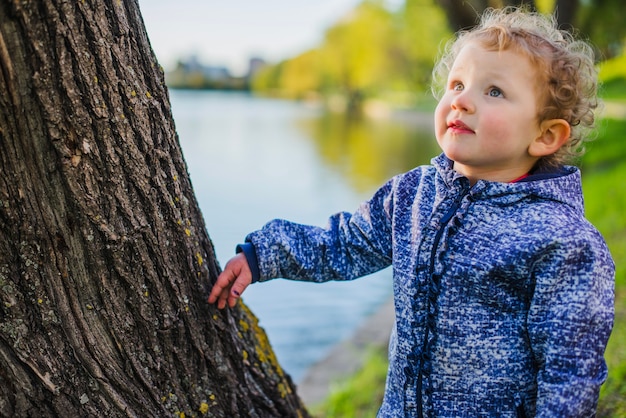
(562,185)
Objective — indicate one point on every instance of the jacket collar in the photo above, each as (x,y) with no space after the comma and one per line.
(562,184)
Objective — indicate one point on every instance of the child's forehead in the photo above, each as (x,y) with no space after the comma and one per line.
(530,45)
(476,51)
(502,67)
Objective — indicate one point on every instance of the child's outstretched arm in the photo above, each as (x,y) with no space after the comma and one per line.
(231,282)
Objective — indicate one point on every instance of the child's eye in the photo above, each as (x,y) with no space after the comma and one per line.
(457,86)
(495,92)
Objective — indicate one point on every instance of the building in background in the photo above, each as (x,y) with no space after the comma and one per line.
(191,73)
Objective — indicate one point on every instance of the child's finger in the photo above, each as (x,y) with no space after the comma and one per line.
(236,291)
(222,300)
(231,282)
(222,284)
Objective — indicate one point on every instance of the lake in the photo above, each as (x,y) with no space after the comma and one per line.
(253,159)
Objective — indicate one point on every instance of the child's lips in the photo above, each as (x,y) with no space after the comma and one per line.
(458,126)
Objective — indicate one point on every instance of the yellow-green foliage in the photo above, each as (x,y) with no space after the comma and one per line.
(375,50)
(424,30)
(300,75)
(545,6)
(613,69)
(613,78)
(355,49)
(367,52)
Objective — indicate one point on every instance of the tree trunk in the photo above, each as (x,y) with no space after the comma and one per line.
(462,14)
(105,264)
(565,12)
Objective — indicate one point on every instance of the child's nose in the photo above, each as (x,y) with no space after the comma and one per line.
(463,102)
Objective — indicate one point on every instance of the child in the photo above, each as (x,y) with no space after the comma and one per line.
(503,290)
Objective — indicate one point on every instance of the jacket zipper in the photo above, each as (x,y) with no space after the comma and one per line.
(445,219)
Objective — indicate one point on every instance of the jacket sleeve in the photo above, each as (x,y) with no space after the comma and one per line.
(350,246)
(569,323)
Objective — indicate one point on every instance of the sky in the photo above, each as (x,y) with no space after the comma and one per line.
(230,32)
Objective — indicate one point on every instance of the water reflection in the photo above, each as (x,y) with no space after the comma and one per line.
(368,152)
(253,159)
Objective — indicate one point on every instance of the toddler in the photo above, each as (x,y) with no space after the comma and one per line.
(503,291)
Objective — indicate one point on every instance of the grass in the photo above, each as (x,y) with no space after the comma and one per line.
(604,171)
(360,395)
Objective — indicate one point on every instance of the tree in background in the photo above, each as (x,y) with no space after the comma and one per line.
(601,20)
(463,14)
(354,57)
(105,263)
(377,52)
(300,76)
(423,31)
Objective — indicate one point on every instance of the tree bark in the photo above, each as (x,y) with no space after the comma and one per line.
(105,264)
(462,14)
(565,12)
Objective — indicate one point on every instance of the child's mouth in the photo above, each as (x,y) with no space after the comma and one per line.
(458,126)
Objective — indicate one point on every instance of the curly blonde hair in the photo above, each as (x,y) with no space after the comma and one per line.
(565,63)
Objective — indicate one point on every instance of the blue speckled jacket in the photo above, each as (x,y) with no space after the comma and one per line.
(503,291)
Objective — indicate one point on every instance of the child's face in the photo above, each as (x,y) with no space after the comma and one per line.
(487,117)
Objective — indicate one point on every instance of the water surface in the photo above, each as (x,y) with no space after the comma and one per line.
(254,159)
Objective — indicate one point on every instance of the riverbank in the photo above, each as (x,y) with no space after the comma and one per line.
(347,357)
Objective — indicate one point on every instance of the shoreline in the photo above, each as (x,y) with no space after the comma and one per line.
(348,356)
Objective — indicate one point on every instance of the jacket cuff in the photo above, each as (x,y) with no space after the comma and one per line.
(248,250)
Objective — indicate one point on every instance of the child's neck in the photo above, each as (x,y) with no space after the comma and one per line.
(522,177)
(507,175)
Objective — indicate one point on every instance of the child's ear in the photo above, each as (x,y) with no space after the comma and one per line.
(554,133)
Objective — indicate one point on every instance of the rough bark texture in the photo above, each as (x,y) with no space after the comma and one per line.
(105,263)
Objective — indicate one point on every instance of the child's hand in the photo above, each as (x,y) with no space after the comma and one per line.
(231,282)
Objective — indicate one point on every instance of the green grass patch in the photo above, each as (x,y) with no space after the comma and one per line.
(360,395)
(614,89)
(613,394)
(604,171)
(608,149)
